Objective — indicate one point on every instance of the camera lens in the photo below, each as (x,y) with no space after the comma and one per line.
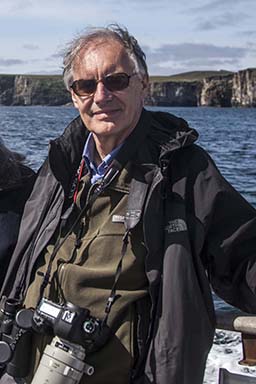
(10,307)
(89,326)
(5,352)
(62,362)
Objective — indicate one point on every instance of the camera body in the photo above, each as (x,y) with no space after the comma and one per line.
(75,329)
(71,323)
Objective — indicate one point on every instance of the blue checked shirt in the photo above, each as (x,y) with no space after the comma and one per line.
(97,172)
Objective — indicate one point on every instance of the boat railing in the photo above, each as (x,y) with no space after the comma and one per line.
(235,320)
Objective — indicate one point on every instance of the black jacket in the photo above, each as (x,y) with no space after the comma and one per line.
(15,187)
(197,230)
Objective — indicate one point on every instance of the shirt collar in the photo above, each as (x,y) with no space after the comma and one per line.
(88,154)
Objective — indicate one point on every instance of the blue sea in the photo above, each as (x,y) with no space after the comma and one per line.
(227,134)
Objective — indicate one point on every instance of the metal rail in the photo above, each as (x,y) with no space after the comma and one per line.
(235,320)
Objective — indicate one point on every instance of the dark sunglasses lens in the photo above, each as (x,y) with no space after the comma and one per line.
(117,82)
(84,87)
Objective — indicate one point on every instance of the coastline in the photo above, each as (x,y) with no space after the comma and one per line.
(191,89)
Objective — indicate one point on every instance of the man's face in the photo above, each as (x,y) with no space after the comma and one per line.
(109,115)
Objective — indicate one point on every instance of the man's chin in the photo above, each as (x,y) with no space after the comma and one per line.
(105,128)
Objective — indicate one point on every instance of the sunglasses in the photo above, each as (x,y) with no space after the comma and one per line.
(114,82)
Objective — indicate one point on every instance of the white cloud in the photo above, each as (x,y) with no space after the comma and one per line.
(178,34)
(168,58)
(225,20)
(31,47)
(189,51)
(55,10)
(207,6)
(10,62)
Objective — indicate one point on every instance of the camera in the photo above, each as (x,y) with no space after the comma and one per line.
(75,334)
(71,323)
(15,331)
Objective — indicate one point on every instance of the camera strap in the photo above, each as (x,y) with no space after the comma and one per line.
(136,200)
(97,189)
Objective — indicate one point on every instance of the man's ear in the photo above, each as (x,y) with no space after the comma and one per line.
(74,98)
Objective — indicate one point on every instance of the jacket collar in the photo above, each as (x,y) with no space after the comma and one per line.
(65,152)
(166,132)
(171,132)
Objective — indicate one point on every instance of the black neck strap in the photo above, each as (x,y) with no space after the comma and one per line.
(136,200)
(98,188)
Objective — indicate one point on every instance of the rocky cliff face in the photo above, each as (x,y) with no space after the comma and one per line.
(6,89)
(227,90)
(244,88)
(33,90)
(174,93)
(216,91)
(39,91)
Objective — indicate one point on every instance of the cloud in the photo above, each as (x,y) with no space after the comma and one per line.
(220,4)
(167,58)
(37,30)
(80,12)
(58,10)
(145,4)
(14,6)
(224,20)
(55,56)
(250,33)
(10,62)
(217,14)
(188,51)
(31,47)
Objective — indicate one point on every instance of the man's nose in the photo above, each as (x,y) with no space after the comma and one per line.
(101,93)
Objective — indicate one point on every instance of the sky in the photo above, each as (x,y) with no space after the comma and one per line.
(176,35)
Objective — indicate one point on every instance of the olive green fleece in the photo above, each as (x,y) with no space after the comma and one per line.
(88,279)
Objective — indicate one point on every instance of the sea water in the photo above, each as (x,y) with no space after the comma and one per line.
(227,134)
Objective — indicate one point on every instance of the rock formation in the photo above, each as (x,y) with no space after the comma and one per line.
(244,89)
(173,93)
(32,90)
(216,91)
(225,89)
(6,89)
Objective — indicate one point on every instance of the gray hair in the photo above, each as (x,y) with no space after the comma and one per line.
(112,32)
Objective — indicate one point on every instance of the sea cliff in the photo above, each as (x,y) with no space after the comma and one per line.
(214,89)
(33,90)
(218,89)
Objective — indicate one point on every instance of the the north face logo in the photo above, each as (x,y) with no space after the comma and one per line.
(176,225)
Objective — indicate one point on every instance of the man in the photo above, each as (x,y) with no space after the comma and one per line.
(16,181)
(131,220)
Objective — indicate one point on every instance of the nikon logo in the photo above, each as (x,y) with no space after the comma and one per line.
(68,316)
(176,225)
